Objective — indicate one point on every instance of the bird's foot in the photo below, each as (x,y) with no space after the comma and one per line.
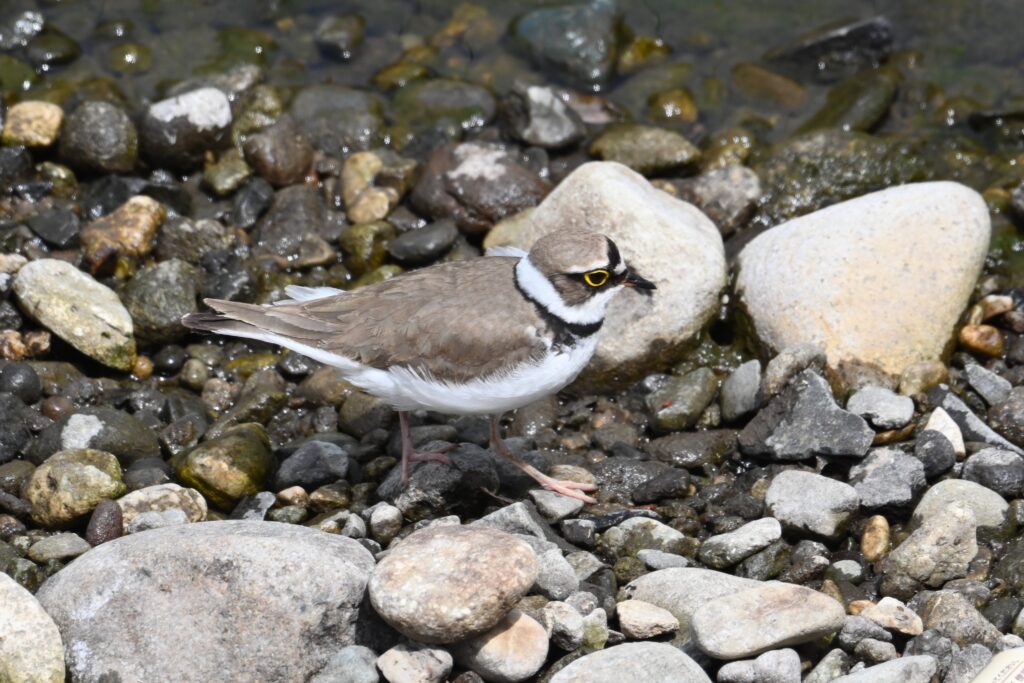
(433,456)
(571,489)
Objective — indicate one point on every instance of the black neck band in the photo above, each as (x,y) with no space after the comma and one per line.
(565,332)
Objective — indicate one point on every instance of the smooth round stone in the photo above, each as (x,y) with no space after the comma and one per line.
(513,650)
(445,584)
(244,600)
(415,664)
(633,663)
(989,508)
(810,503)
(176,132)
(99,137)
(161,498)
(229,467)
(777,666)
(770,616)
(103,429)
(31,650)
(79,310)
(725,550)
(639,620)
(664,239)
(879,280)
(996,469)
(645,149)
(69,484)
(158,298)
(22,381)
(58,547)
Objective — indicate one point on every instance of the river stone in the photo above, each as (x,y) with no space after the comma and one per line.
(31,650)
(228,468)
(161,498)
(445,584)
(79,310)
(536,115)
(645,149)
(663,239)
(633,663)
(63,546)
(243,600)
(888,478)
(639,620)
(99,137)
(178,131)
(772,615)
(158,298)
(775,666)
(684,590)
(512,650)
(883,408)
(939,550)
(996,469)
(988,507)
(101,428)
(877,281)
(69,484)
(807,502)
(916,669)
(415,664)
(576,41)
(725,550)
(32,123)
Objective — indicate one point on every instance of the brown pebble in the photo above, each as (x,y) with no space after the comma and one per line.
(37,343)
(983,339)
(921,376)
(876,539)
(293,495)
(831,589)
(995,304)
(56,407)
(893,435)
(142,368)
(10,526)
(11,345)
(106,523)
(857,606)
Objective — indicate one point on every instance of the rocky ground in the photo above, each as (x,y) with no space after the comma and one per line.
(808,444)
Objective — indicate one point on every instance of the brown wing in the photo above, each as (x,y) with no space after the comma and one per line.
(453,321)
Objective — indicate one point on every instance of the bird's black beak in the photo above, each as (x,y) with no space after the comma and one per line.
(637,282)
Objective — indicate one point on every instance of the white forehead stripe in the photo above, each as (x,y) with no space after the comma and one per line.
(540,289)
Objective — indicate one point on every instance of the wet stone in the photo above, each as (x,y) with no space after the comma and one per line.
(281,153)
(99,137)
(338,36)
(100,428)
(337,119)
(129,231)
(58,226)
(291,228)
(441,102)
(693,450)
(105,524)
(727,195)
(837,49)
(680,402)
(424,245)
(575,42)
(227,468)
(176,132)
(158,298)
(21,380)
(536,115)
(313,464)
(645,149)
(70,483)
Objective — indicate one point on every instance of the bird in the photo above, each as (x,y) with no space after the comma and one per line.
(475,337)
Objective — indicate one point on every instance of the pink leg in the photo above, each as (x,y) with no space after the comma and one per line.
(566,488)
(409,454)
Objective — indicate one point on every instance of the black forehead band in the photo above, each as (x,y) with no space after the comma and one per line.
(613,255)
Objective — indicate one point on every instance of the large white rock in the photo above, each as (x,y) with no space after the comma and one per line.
(879,280)
(31,650)
(633,663)
(666,240)
(232,601)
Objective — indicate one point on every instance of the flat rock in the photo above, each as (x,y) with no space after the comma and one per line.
(916,669)
(512,650)
(740,391)
(810,503)
(888,479)
(683,590)
(882,407)
(475,576)
(663,239)
(990,386)
(633,663)
(989,508)
(79,310)
(223,597)
(879,280)
(769,616)
(725,550)
(804,420)
(31,650)
(775,666)
(639,620)
(64,547)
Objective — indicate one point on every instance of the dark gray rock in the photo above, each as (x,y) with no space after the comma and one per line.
(281,154)
(443,104)
(935,452)
(435,490)
(178,131)
(576,42)
(1007,418)
(672,483)
(99,137)
(337,119)
(190,240)
(990,386)
(856,629)
(679,403)
(996,469)
(158,298)
(339,35)
(14,427)
(57,225)
(836,50)
(789,363)
(536,115)
(625,476)
(293,226)
(726,195)
(314,464)
(965,665)
(933,644)
(693,450)
(424,245)
(477,184)
(887,479)
(804,420)
(740,391)
(99,428)
(21,380)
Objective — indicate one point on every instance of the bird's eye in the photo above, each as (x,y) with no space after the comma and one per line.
(596,278)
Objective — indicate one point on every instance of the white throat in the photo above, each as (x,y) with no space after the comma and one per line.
(540,289)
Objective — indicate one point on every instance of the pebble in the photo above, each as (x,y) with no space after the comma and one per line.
(893,615)
(281,153)
(971,426)
(564,623)
(875,539)
(750,622)
(22,381)
(79,310)
(882,407)
(726,194)
(888,479)
(682,591)
(639,620)
(776,666)
(941,422)
(128,231)
(339,35)
(415,664)
(664,239)
(70,483)
(788,364)
(512,650)
(424,245)
(385,523)
(229,467)
(575,42)
(158,297)
(739,396)
(968,665)
(725,550)
(163,498)
(988,507)
(633,663)
(207,581)
(955,617)
(657,559)
(65,546)
(805,502)
(934,237)
(177,131)
(996,469)
(313,464)
(939,550)
(935,452)
(990,386)
(475,577)
(536,115)
(105,524)
(350,664)
(984,340)
(554,507)
(647,150)
(833,665)
(679,403)
(99,137)
(804,420)
(31,649)
(32,123)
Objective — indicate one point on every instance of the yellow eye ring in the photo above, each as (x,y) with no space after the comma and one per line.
(596,278)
